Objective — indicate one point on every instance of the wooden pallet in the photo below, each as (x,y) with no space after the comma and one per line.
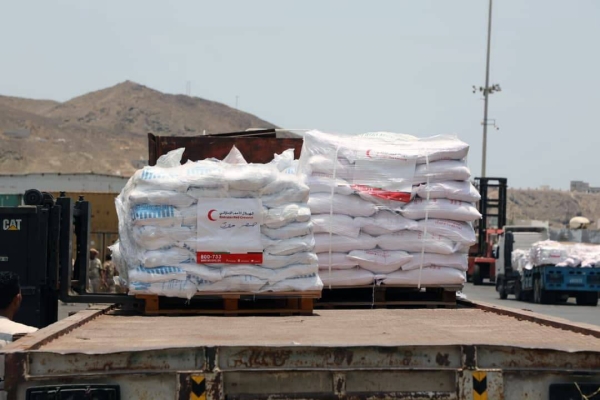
(387,297)
(231,304)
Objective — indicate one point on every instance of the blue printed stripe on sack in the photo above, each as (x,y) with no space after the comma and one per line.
(148,211)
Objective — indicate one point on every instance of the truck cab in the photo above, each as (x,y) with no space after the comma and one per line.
(514,237)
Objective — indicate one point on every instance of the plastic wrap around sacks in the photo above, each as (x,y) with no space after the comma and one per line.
(457,231)
(323,203)
(335,261)
(441,209)
(426,276)
(549,252)
(451,190)
(427,225)
(380,261)
(164,214)
(385,222)
(325,242)
(338,224)
(439,171)
(434,148)
(456,261)
(347,277)
(412,241)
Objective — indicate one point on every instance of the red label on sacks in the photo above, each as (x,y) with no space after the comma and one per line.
(209,257)
(383,194)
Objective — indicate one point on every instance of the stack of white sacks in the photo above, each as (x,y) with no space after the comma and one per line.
(389,208)
(179,223)
(549,252)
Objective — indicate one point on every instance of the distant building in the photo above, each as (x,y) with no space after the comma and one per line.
(580,186)
(545,187)
(583,187)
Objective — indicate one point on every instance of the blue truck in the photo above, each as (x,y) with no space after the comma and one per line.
(544,284)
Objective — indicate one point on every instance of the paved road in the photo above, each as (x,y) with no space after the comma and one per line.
(570,311)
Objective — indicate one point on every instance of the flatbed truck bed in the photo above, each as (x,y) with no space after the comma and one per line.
(356,354)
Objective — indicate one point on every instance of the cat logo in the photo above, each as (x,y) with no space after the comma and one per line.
(11,224)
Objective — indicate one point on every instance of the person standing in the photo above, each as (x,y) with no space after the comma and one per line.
(10,301)
(109,272)
(95,273)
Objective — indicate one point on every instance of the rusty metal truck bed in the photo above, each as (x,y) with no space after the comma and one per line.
(404,353)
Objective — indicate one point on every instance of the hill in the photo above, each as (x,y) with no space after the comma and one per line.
(104,131)
(555,206)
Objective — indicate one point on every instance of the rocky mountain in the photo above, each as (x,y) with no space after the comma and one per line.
(104,131)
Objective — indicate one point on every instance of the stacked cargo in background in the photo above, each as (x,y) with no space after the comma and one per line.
(549,252)
(215,226)
(389,208)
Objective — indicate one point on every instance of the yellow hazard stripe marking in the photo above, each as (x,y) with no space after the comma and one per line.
(198,391)
(480,386)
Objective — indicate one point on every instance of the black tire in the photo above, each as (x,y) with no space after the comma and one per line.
(587,299)
(519,291)
(476,277)
(501,288)
(541,296)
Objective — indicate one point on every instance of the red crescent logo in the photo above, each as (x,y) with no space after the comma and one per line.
(210,215)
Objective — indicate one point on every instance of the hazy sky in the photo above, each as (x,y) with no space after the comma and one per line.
(345,66)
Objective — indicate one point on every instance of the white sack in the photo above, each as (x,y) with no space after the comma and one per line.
(275,262)
(322,203)
(445,170)
(380,261)
(251,177)
(284,160)
(429,276)
(347,277)
(160,197)
(288,246)
(201,271)
(284,198)
(321,184)
(457,231)
(288,231)
(338,224)
(150,178)
(435,148)
(157,237)
(414,242)
(441,209)
(171,256)
(336,261)
(451,190)
(303,284)
(283,183)
(146,214)
(324,165)
(235,157)
(238,283)
(343,244)
(158,274)
(283,215)
(385,222)
(174,288)
(457,261)
(270,275)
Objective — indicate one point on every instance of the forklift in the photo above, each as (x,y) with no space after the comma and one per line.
(492,206)
(36,242)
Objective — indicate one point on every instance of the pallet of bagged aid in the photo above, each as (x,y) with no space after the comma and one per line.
(391,214)
(231,304)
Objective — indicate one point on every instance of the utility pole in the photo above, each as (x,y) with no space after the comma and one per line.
(487,90)
(486,93)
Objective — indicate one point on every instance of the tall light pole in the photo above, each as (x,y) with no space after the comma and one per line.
(487,90)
